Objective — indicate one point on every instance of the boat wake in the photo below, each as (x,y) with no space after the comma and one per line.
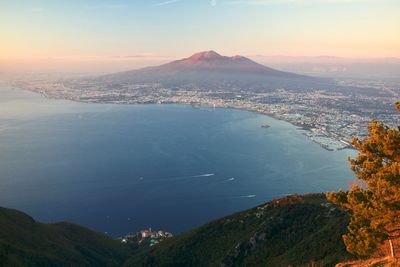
(175,179)
(248,196)
(230,179)
(203,175)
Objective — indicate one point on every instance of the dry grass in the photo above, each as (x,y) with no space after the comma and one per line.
(379,258)
(373,262)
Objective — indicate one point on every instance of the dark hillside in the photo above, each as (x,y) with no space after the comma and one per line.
(295,230)
(24,242)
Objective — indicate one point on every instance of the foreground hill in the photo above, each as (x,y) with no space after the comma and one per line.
(295,230)
(24,242)
(209,70)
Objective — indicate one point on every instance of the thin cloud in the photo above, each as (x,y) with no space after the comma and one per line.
(212,2)
(299,2)
(167,2)
(142,55)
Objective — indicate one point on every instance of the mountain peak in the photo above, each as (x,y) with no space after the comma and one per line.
(209,70)
(238,57)
(212,61)
(205,55)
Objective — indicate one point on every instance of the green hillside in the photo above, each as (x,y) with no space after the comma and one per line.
(24,242)
(295,230)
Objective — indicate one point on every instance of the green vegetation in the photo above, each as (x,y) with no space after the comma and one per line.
(24,242)
(375,204)
(295,230)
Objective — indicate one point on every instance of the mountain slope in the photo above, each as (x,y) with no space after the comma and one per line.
(212,61)
(210,71)
(24,242)
(295,230)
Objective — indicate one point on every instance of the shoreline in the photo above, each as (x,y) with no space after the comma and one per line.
(304,127)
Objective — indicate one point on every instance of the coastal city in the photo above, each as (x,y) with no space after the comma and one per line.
(330,117)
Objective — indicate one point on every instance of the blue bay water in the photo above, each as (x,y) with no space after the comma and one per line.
(122,168)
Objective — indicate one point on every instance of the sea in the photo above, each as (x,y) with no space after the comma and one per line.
(118,168)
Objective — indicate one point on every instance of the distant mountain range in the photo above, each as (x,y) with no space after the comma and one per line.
(211,71)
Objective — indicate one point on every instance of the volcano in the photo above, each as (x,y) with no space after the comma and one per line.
(209,70)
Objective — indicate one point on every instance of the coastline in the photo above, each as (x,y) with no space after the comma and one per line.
(322,139)
(250,151)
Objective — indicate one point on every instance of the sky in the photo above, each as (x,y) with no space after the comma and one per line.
(128,34)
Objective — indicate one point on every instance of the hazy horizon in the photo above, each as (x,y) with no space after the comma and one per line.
(107,36)
(300,64)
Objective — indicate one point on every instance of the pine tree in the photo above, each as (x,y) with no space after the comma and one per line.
(375,202)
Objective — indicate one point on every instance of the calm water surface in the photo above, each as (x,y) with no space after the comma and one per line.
(121,168)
